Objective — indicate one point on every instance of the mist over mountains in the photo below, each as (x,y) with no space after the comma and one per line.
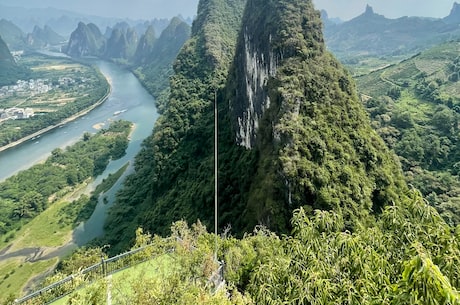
(373,34)
(65,21)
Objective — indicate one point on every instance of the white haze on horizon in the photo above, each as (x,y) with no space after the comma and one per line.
(148,9)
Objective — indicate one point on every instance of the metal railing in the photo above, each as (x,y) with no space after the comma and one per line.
(60,289)
(216,280)
(57,290)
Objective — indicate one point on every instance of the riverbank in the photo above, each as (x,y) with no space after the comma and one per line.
(62,123)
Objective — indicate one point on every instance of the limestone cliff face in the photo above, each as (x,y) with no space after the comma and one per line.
(257,62)
(266,39)
(292,131)
(294,105)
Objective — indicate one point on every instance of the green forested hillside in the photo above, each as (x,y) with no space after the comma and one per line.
(154,58)
(408,256)
(314,146)
(314,143)
(12,35)
(415,107)
(179,153)
(300,167)
(86,40)
(10,71)
(42,37)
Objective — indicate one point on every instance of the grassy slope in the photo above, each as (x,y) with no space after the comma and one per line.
(51,229)
(121,283)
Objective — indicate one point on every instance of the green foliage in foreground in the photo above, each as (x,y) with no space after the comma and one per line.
(30,192)
(408,255)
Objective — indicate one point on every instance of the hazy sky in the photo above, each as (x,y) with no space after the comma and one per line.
(148,9)
(347,9)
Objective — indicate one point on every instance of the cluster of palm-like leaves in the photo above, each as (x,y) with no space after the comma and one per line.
(408,256)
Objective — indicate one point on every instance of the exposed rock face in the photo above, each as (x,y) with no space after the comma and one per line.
(260,49)
(296,107)
(257,62)
(369,10)
(86,40)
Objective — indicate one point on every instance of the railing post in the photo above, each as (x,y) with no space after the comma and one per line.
(104,269)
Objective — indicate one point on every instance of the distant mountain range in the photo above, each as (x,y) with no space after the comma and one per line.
(375,35)
(64,22)
(9,70)
(124,42)
(40,37)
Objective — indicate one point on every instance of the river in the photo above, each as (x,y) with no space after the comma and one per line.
(129,101)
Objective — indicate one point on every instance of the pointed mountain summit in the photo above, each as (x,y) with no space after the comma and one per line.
(41,37)
(86,40)
(5,55)
(454,16)
(369,10)
(296,107)
(292,131)
(145,46)
(10,71)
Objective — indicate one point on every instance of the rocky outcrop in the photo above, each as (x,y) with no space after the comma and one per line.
(86,40)
(296,107)
(454,16)
(257,61)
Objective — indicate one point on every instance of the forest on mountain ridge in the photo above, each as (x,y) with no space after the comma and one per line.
(313,204)
(310,95)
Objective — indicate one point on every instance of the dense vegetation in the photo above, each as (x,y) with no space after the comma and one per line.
(415,107)
(154,58)
(179,152)
(11,72)
(409,255)
(30,192)
(314,147)
(309,166)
